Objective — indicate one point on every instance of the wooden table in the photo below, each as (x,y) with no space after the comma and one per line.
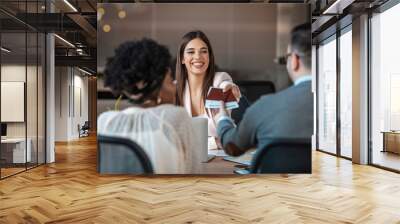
(220,166)
(217,166)
(391,141)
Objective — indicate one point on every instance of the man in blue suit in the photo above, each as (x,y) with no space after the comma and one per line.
(286,114)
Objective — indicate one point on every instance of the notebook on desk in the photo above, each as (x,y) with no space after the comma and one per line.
(244,159)
(213,148)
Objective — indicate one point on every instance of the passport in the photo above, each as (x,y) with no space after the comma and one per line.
(216,95)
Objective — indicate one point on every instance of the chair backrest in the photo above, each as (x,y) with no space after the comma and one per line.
(116,155)
(86,125)
(237,114)
(283,156)
(255,89)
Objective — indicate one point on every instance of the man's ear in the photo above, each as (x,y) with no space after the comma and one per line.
(295,62)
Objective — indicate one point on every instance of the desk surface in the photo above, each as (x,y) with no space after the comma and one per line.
(217,166)
(220,166)
(13,140)
(390,132)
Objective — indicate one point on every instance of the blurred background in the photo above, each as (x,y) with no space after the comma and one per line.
(246,38)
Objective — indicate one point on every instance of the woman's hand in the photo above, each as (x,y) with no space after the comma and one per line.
(217,113)
(218,143)
(235,90)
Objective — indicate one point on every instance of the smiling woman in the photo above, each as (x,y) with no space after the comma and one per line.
(196,73)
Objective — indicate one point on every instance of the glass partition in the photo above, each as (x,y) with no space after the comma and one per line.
(31,98)
(41,96)
(22,91)
(13,92)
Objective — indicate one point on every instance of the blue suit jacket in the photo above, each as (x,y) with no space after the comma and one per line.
(286,114)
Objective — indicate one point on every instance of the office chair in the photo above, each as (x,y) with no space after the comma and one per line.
(116,155)
(86,126)
(255,89)
(84,129)
(237,114)
(283,156)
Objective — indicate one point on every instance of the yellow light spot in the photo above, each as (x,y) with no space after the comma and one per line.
(100,11)
(122,14)
(106,28)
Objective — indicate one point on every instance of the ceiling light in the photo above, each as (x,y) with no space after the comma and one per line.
(5,50)
(70,5)
(84,71)
(64,40)
(337,7)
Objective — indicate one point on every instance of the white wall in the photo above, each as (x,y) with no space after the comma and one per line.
(13,73)
(71,102)
(61,103)
(33,126)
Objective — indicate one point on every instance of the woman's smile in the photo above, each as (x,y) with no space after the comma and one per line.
(196,57)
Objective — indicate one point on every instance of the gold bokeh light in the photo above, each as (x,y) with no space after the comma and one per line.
(106,28)
(122,14)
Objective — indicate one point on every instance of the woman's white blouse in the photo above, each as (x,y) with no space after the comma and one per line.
(164,132)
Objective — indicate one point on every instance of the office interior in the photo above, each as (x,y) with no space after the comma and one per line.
(45,86)
(356,86)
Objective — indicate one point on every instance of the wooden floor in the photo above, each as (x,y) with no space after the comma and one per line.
(10,171)
(70,191)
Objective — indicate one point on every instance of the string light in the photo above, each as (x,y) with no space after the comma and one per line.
(106,28)
(100,13)
(122,14)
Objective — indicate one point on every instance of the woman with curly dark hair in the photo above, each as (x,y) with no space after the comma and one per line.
(141,71)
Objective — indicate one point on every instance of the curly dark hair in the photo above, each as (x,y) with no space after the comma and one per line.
(137,69)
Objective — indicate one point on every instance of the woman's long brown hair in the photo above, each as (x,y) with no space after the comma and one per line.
(181,71)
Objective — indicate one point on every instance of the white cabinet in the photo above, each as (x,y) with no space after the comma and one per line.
(18,149)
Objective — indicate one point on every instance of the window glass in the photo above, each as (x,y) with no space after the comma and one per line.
(385,88)
(327,96)
(346,94)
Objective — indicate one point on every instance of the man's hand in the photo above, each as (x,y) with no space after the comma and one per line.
(235,90)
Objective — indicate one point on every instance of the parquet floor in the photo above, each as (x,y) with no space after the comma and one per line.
(70,191)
